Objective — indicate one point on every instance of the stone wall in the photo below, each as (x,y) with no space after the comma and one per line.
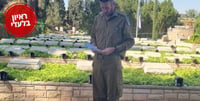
(179,32)
(60,91)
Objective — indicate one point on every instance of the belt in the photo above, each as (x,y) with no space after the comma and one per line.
(106,57)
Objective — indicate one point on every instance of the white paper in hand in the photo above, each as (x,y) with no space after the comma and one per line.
(91,47)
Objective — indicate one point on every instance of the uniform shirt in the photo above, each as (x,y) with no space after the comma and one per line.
(112,32)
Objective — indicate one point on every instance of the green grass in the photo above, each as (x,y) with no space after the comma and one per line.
(138,77)
(48,72)
(68,73)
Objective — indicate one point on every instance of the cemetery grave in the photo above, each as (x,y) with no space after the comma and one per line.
(72,47)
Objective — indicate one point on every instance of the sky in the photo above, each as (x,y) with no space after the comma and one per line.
(180,5)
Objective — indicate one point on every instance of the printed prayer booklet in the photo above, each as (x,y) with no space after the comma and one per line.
(91,47)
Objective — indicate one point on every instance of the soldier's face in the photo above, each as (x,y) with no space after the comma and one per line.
(107,8)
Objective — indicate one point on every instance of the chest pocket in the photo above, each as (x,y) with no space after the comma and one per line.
(116,35)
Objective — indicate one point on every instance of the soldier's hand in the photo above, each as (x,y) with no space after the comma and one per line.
(108,51)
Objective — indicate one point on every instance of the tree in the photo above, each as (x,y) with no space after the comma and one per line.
(42,5)
(191,13)
(129,7)
(155,21)
(167,16)
(62,11)
(92,8)
(54,15)
(147,10)
(2,3)
(75,9)
(197,25)
(196,36)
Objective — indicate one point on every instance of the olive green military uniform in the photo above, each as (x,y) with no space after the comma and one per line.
(107,70)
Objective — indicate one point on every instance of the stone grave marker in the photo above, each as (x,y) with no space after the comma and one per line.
(76,50)
(164,48)
(25,63)
(183,49)
(170,58)
(198,50)
(56,51)
(39,48)
(37,42)
(129,52)
(149,48)
(143,39)
(181,56)
(66,43)
(84,65)
(51,43)
(184,44)
(4,40)
(20,41)
(79,45)
(30,38)
(17,50)
(136,47)
(152,54)
(145,44)
(3,46)
(158,68)
(194,55)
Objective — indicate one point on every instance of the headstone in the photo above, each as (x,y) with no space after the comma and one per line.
(183,49)
(164,38)
(149,48)
(41,35)
(4,40)
(66,43)
(20,41)
(37,42)
(181,57)
(25,63)
(79,45)
(51,43)
(56,51)
(163,48)
(136,47)
(195,55)
(30,38)
(198,50)
(39,48)
(143,39)
(138,56)
(132,53)
(73,30)
(61,29)
(16,50)
(84,40)
(152,54)
(84,65)
(145,44)
(3,46)
(170,58)
(76,50)
(137,39)
(158,68)
(184,44)
(20,46)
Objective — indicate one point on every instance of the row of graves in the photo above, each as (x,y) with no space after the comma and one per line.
(57,45)
(154,56)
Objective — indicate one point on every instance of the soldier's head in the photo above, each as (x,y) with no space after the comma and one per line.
(107,7)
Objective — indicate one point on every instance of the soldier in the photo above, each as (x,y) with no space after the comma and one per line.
(110,33)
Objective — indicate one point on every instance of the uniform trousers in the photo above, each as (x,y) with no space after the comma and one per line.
(107,78)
